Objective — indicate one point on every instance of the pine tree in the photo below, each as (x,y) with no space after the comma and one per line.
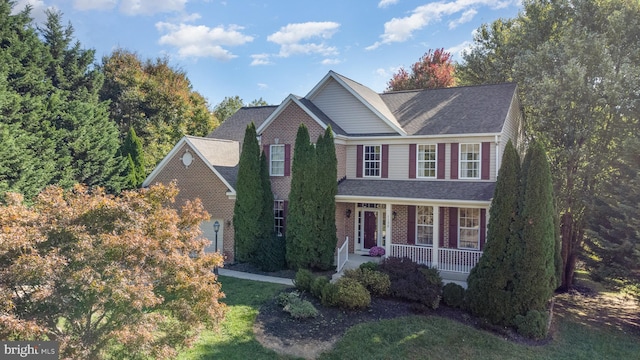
(327,189)
(301,217)
(490,282)
(249,198)
(132,149)
(535,260)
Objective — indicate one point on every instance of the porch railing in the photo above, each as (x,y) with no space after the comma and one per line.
(452,260)
(342,255)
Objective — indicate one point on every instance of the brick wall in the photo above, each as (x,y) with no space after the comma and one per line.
(198,181)
(399,225)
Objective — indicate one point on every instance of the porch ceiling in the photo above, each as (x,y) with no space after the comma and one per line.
(445,191)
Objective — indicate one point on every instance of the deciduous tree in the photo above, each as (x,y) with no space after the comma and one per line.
(106,276)
(433,70)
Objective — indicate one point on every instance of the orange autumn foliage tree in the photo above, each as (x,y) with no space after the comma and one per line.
(434,70)
(106,276)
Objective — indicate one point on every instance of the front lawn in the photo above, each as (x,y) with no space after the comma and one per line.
(575,334)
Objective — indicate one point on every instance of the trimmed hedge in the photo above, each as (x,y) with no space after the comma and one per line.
(377,282)
(304,279)
(351,294)
(412,281)
(453,295)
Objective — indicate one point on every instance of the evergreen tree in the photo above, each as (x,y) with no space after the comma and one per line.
(327,189)
(490,282)
(301,218)
(132,149)
(249,198)
(535,261)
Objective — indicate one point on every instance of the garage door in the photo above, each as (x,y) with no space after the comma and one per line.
(209,233)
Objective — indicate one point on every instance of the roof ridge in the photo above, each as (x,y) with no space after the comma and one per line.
(448,88)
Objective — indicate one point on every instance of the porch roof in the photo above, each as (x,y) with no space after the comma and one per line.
(416,190)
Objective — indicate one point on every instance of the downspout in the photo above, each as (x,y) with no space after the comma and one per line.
(497,141)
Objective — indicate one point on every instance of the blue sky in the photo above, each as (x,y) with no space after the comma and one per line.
(270,49)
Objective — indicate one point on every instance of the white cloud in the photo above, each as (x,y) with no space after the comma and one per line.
(150,7)
(38,8)
(262,86)
(261,59)
(202,41)
(464,18)
(382,72)
(401,29)
(330,61)
(458,50)
(190,17)
(84,5)
(385,3)
(292,37)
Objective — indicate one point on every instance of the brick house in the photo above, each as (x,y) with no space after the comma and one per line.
(416,169)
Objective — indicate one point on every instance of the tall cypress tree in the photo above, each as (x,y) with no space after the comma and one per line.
(327,189)
(301,217)
(535,261)
(132,149)
(490,282)
(249,197)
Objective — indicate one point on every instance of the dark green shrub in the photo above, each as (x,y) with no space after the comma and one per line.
(284,298)
(301,309)
(453,295)
(371,265)
(317,285)
(271,254)
(533,325)
(304,279)
(329,295)
(376,282)
(412,281)
(351,294)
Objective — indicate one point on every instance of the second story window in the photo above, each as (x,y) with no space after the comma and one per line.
(276,153)
(427,161)
(372,160)
(469,161)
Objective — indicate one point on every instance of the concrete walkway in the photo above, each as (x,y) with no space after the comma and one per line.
(255,277)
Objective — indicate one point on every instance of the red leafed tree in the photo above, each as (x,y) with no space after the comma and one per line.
(433,70)
(106,276)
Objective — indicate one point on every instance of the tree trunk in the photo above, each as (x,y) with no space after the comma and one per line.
(566,229)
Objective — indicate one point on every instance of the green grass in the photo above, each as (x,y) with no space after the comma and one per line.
(413,337)
(235,339)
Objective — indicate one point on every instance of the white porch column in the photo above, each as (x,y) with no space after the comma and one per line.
(389,218)
(436,237)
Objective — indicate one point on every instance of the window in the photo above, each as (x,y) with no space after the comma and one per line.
(424,223)
(469,229)
(469,161)
(278,217)
(427,161)
(276,154)
(372,160)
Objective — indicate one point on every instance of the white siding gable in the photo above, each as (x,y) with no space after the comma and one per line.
(347,111)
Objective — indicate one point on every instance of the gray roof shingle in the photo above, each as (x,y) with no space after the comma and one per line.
(413,189)
(457,110)
(229,173)
(234,127)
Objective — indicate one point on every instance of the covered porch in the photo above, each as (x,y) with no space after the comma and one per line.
(444,233)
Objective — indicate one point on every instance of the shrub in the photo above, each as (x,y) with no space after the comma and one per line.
(304,279)
(376,282)
(301,309)
(371,265)
(271,254)
(533,325)
(329,295)
(453,295)
(351,294)
(412,281)
(317,285)
(284,298)
(376,251)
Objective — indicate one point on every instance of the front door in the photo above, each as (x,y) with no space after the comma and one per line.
(370,229)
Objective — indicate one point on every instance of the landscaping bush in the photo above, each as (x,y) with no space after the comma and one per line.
(284,298)
(453,295)
(412,281)
(371,265)
(271,254)
(533,325)
(304,279)
(376,282)
(351,294)
(301,309)
(317,285)
(329,295)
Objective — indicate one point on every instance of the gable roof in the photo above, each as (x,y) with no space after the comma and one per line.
(365,95)
(220,155)
(234,127)
(456,110)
